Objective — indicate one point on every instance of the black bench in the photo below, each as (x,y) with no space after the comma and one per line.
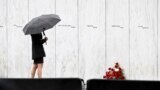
(101,84)
(42,84)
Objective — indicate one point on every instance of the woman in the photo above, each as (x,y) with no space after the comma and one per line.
(37,54)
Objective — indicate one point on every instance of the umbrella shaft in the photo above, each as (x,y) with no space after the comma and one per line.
(44,33)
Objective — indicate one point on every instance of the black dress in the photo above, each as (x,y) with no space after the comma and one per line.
(37,47)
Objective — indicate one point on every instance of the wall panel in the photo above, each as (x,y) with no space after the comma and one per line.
(3,38)
(91,39)
(117,34)
(143,39)
(67,39)
(17,42)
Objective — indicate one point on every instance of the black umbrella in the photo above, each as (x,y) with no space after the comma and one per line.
(41,23)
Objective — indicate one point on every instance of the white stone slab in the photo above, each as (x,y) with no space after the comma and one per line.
(67,39)
(91,39)
(18,55)
(3,39)
(143,39)
(117,34)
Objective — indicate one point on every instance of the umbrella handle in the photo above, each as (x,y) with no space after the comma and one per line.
(45,36)
(44,33)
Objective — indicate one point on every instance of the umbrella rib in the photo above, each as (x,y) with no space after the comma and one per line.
(45,22)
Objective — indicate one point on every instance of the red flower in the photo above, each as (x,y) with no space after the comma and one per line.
(109,68)
(114,73)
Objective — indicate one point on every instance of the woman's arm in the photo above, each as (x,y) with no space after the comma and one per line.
(37,39)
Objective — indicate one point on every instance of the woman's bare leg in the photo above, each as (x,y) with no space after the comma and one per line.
(33,71)
(40,70)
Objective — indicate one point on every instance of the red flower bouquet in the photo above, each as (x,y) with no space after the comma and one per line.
(114,73)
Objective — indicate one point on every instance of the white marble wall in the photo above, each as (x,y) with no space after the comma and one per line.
(92,36)
(143,39)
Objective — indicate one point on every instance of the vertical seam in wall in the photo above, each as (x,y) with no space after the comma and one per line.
(55,43)
(28,38)
(157,36)
(106,7)
(105,33)
(7,34)
(129,33)
(78,33)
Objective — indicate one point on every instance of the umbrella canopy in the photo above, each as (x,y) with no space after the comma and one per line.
(41,23)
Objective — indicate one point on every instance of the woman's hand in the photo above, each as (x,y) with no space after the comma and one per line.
(46,38)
